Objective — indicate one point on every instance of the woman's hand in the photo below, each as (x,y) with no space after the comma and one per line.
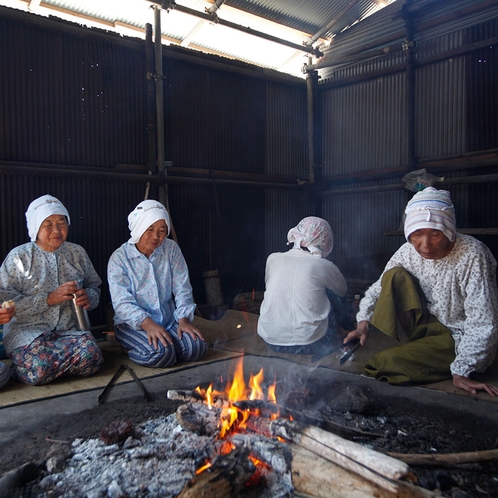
(65,292)
(472,386)
(156,333)
(6,314)
(361,333)
(82,298)
(184,326)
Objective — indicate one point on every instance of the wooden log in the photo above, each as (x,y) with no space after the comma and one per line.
(447,458)
(378,468)
(193,396)
(316,476)
(199,418)
(185,395)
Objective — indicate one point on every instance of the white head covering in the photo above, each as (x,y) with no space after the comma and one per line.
(40,209)
(431,208)
(143,216)
(313,233)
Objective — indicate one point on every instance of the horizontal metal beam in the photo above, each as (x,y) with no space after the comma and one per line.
(238,27)
(10,168)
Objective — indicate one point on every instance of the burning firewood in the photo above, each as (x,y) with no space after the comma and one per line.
(225,477)
(187,395)
(271,451)
(194,396)
(263,407)
(199,418)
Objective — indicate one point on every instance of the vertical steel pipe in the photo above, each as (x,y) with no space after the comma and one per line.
(410,86)
(314,173)
(161,168)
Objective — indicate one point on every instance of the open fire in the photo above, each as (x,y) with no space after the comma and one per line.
(237,404)
(236,440)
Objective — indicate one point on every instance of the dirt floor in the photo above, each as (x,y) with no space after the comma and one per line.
(399,424)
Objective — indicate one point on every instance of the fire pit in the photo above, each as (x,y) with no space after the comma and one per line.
(159,456)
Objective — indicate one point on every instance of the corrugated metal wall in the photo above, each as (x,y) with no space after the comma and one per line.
(364,126)
(365,121)
(72,97)
(76,97)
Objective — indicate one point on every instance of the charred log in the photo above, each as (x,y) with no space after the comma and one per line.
(199,418)
(226,477)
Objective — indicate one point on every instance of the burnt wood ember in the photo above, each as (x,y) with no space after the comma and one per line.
(351,399)
(226,477)
(117,431)
(271,451)
(199,418)
(317,418)
(264,408)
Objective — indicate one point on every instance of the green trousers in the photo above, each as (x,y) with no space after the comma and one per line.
(429,350)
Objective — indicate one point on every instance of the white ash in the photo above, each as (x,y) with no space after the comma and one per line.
(159,464)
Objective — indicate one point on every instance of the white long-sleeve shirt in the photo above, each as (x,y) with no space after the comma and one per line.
(157,287)
(461,293)
(295,307)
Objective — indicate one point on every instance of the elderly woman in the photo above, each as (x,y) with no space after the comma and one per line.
(42,277)
(151,293)
(296,314)
(440,287)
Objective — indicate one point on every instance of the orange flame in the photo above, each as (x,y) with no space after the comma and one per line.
(232,417)
(255,385)
(203,468)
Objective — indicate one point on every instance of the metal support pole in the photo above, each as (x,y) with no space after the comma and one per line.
(311,79)
(158,52)
(409,47)
(314,174)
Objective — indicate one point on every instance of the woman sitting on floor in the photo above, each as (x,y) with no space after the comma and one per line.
(41,277)
(151,293)
(302,304)
(440,288)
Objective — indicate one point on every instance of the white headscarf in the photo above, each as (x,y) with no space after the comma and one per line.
(143,216)
(431,208)
(313,233)
(40,209)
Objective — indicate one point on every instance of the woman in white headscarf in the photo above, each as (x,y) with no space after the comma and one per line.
(41,277)
(151,293)
(440,287)
(296,314)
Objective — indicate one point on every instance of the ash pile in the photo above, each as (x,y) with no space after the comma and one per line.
(157,459)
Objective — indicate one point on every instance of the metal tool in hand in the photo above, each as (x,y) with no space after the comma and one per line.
(332,349)
(353,345)
(326,352)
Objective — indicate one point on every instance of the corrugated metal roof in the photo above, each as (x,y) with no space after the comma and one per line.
(185,22)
